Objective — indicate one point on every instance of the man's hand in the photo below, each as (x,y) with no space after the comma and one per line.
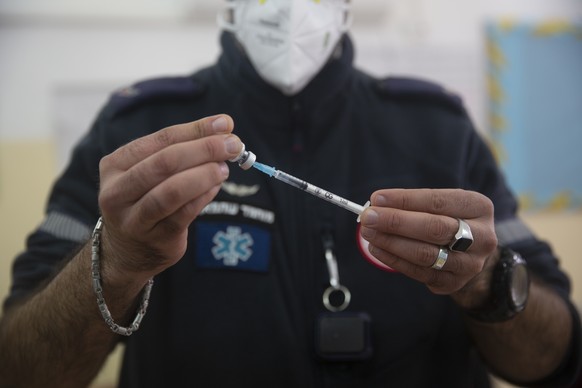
(154,187)
(406,229)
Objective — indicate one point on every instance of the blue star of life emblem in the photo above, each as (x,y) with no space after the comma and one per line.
(232,246)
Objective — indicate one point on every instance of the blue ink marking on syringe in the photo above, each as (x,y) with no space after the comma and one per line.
(314,190)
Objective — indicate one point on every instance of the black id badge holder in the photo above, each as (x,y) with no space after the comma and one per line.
(340,335)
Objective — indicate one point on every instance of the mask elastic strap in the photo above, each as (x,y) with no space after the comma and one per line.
(349,18)
(221,20)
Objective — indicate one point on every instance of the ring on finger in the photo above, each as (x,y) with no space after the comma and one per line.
(463,238)
(441,259)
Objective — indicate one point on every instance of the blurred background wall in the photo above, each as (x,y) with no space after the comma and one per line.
(59,60)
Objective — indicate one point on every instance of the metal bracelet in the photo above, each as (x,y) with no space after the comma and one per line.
(98,289)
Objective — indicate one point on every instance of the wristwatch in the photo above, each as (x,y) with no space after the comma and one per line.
(509,289)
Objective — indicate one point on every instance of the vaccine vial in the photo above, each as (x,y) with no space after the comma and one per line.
(245,159)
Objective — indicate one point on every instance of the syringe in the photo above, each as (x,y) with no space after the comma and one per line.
(247,159)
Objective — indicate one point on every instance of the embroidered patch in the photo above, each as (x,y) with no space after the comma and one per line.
(224,245)
(222,208)
(363,245)
(239,190)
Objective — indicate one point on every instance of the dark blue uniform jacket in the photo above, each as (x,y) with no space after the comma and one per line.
(241,308)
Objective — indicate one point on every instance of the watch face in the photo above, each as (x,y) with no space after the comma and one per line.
(519,285)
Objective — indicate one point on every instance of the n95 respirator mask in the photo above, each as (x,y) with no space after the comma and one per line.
(287,41)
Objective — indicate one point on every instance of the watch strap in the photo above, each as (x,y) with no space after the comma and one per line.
(499,306)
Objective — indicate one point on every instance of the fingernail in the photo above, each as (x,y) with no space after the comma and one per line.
(232,144)
(380,200)
(224,169)
(370,218)
(220,125)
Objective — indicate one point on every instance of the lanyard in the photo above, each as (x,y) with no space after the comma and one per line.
(340,294)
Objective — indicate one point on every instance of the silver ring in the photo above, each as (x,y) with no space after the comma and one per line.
(330,290)
(463,238)
(441,258)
